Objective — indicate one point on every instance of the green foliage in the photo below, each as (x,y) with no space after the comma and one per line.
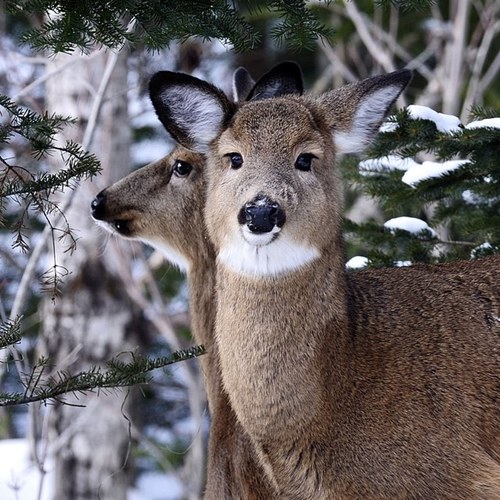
(10,333)
(464,201)
(32,190)
(157,23)
(117,374)
(297,25)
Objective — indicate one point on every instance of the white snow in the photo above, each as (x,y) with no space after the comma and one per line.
(410,224)
(403,263)
(20,478)
(357,262)
(430,169)
(386,163)
(487,122)
(469,197)
(157,486)
(388,126)
(479,249)
(444,123)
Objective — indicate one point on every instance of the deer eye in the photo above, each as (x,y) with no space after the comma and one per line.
(303,161)
(182,168)
(235,160)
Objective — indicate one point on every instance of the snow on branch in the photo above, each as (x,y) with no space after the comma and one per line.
(430,169)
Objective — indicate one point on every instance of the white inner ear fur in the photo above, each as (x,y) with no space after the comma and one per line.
(197,113)
(281,256)
(369,114)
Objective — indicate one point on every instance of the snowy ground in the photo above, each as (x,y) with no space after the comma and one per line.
(21,480)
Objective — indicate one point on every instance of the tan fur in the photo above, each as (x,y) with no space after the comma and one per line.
(375,385)
(162,209)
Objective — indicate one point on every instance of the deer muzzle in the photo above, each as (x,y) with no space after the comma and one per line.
(100,212)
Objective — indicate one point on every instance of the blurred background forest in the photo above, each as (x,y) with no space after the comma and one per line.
(78,297)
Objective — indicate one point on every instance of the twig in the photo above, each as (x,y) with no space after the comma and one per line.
(473,89)
(376,50)
(47,76)
(455,60)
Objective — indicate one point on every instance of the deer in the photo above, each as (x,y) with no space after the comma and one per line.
(377,384)
(161,204)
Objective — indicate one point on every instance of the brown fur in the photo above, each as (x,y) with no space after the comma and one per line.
(375,385)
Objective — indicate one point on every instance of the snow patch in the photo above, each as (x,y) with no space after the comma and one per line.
(19,476)
(486,123)
(403,263)
(429,170)
(157,486)
(409,224)
(388,126)
(357,262)
(387,163)
(485,248)
(444,123)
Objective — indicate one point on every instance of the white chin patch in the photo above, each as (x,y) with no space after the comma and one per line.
(279,255)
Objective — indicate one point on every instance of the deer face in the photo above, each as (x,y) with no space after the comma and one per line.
(160,204)
(270,199)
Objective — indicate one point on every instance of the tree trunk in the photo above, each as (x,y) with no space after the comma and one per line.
(93,319)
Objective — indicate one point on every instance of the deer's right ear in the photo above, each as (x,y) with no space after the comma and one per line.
(356,111)
(193,111)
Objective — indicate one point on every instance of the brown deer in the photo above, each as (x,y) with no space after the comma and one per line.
(380,384)
(162,205)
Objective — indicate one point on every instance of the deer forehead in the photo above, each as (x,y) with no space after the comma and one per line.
(278,126)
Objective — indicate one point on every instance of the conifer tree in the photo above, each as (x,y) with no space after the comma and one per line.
(437,182)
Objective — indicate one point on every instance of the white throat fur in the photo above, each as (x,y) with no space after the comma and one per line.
(280,256)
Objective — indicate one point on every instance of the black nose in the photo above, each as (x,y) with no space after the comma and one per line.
(98,206)
(261,215)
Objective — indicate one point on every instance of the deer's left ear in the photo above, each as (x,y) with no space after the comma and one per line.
(283,79)
(355,112)
(242,84)
(193,111)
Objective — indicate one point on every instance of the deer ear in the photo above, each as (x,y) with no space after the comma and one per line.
(355,112)
(192,110)
(242,84)
(285,78)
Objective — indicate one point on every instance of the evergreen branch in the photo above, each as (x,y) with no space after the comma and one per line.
(298,24)
(33,191)
(71,25)
(117,374)
(81,165)
(10,333)
(482,112)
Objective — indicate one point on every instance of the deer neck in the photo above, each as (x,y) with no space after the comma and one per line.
(201,277)
(277,339)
